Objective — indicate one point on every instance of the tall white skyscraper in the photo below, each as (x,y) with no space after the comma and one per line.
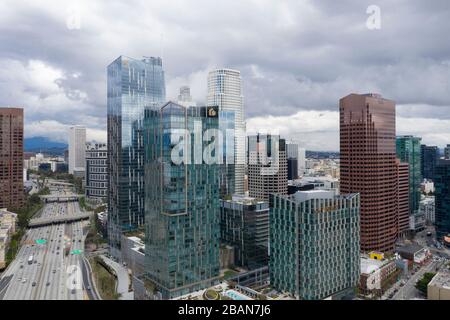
(225,91)
(77,149)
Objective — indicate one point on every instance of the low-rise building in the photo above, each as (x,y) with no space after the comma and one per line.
(7,229)
(133,253)
(417,221)
(414,252)
(376,275)
(439,286)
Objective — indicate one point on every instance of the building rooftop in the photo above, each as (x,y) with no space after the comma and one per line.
(441,279)
(369,265)
(412,248)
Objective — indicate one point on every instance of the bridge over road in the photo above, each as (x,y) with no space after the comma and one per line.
(45,221)
(61,198)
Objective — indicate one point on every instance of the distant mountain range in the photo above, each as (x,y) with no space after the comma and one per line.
(44,145)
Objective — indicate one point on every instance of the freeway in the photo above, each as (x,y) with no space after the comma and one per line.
(49,264)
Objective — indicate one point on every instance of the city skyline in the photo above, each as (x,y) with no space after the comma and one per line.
(292,76)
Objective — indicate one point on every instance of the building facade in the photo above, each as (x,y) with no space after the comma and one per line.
(244,225)
(409,151)
(77,150)
(447,152)
(11,158)
(403,198)
(428,160)
(314,244)
(442,199)
(96,171)
(267,166)
(132,85)
(182,204)
(225,91)
(368,166)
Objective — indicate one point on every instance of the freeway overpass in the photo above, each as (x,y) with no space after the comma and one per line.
(39,222)
(61,198)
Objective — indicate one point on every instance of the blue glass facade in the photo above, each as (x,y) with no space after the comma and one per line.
(133,85)
(442,198)
(429,157)
(181,203)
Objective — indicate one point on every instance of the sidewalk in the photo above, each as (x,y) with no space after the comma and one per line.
(123,280)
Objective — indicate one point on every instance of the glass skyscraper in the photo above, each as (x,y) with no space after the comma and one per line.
(409,151)
(442,198)
(133,85)
(429,158)
(314,244)
(182,200)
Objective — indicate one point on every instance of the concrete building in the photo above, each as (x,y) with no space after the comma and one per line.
(11,158)
(133,85)
(225,91)
(414,252)
(7,229)
(447,152)
(96,172)
(375,275)
(77,143)
(133,253)
(403,198)
(244,225)
(439,286)
(427,208)
(427,186)
(267,166)
(314,244)
(368,166)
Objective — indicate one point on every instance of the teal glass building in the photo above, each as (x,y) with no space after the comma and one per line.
(442,198)
(133,85)
(409,151)
(181,200)
(315,244)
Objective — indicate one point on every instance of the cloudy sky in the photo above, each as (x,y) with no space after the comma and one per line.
(297,59)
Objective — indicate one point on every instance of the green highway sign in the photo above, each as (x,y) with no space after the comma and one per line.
(41,241)
(76,251)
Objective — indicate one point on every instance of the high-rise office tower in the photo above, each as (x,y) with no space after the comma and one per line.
(225,91)
(409,151)
(442,198)
(182,202)
(77,149)
(184,98)
(428,160)
(314,244)
(132,86)
(244,225)
(447,152)
(368,166)
(267,166)
(11,158)
(292,151)
(96,171)
(403,198)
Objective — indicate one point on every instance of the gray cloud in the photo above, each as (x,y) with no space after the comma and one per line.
(293,55)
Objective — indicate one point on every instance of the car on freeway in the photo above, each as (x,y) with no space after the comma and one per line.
(47,284)
(24,280)
(34,284)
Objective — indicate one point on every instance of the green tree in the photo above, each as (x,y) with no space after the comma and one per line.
(422,284)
